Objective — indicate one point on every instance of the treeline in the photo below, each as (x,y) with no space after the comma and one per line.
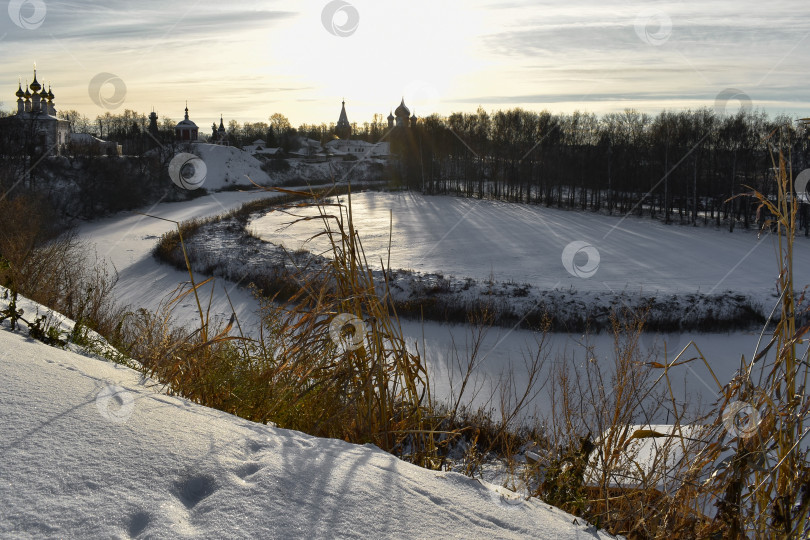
(130,128)
(676,166)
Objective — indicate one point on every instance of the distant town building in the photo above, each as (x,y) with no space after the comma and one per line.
(343,128)
(35,123)
(186,130)
(87,144)
(153,125)
(309,148)
(218,134)
(405,143)
(403,117)
(345,146)
(260,147)
(338,147)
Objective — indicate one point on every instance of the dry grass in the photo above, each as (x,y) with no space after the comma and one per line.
(763,486)
(54,268)
(738,469)
(331,361)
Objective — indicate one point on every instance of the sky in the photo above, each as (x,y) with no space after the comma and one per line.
(249,59)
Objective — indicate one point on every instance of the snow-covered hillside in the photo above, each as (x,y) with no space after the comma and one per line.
(92,450)
(229,166)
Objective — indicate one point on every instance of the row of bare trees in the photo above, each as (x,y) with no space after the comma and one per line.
(682,166)
(130,128)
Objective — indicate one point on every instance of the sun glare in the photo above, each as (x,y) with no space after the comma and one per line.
(417,52)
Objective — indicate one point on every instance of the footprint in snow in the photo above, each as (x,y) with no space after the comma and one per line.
(138,523)
(247,469)
(191,490)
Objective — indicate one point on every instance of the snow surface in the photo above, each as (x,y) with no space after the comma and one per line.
(644,460)
(91,449)
(229,166)
(126,240)
(525,243)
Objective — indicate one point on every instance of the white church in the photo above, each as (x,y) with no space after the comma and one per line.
(35,121)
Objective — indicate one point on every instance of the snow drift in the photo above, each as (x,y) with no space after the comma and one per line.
(92,449)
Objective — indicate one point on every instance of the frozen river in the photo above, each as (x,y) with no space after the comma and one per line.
(512,241)
(527,244)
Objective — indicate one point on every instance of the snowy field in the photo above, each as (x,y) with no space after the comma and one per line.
(526,244)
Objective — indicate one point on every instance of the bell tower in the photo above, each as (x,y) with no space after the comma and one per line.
(343,128)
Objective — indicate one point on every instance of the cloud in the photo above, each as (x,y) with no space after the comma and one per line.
(620,38)
(770,95)
(146,20)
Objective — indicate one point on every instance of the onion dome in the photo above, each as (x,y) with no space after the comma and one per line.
(44,93)
(20,92)
(27,91)
(402,110)
(50,94)
(35,86)
(390,116)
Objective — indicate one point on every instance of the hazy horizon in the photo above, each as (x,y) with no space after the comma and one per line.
(251,60)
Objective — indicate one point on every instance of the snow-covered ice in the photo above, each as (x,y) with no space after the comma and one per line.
(525,244)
